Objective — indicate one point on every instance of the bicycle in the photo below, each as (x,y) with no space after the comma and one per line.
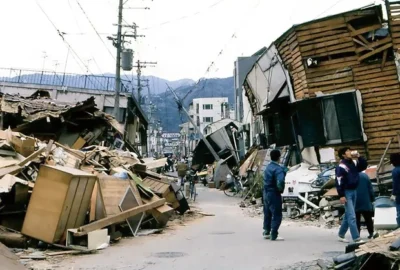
(235,187)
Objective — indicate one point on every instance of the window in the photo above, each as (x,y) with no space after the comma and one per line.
(198,121)
(207,106)
(197,108)
(121,113)
(327,120)
(208,119)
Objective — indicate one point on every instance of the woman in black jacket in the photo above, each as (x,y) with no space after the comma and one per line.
(364,207)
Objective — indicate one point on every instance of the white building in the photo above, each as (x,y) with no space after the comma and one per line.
(205,111)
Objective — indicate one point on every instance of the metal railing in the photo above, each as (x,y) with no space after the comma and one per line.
(90,82)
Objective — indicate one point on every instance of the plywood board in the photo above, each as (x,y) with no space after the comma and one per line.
(128,202)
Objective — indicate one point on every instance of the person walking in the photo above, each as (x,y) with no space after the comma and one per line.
(274,185)
(364,207)
(347,179)
(182,168)
(395,160)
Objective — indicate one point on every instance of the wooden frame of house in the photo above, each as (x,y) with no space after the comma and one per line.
(344,80)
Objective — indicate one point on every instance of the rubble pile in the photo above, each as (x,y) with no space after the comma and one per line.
(379,253)
(72,186)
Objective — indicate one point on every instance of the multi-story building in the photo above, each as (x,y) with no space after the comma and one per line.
(205,111)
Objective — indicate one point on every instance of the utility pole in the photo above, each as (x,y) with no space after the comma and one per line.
(215,155)
(118,42)
(118,62)
(139,66)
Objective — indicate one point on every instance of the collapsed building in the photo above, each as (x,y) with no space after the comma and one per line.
(330,82)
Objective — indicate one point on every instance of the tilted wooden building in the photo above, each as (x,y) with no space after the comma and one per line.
(344,82)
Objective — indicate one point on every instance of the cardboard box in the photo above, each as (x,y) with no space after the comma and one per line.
(23,145)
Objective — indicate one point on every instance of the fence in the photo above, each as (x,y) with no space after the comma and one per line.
(91,82)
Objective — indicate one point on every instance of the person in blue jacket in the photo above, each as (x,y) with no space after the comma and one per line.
(395,160)
(364,207)
(347,178)
(274,185)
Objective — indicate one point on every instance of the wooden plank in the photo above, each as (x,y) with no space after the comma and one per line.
(83,230)
(374,44)
(93,200)
(331,67)
(31,157)
(80,142)
(342,86)
(321,29)
(331,77)
(373,73)
(378,50)
(48,150)
(76,204)
(324,39)
(385,54)
(367,67)
(351,28)
(386,79)
(319,35)
(332,82)
(381,98)
(329,50)
(325,44)
(66,211)
(112,191)
(366,29)
(364,46)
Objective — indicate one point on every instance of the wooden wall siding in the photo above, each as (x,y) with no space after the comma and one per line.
(291,56)
(344,55)
(393,10)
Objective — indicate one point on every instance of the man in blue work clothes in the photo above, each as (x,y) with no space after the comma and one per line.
(274,185)
(347,178)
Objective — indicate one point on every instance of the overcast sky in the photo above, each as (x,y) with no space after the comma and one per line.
(183,36)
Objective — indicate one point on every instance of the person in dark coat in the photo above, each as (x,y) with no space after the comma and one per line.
(364,207)
(274,185)
(347,178)
(395,160)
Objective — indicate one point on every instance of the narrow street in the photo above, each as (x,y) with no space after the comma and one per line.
(228,240)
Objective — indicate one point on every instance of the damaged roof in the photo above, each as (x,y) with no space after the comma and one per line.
(37,107)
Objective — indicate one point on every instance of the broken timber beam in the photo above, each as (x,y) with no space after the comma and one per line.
(351,28)
(378,50)
(117,218)
(31,157)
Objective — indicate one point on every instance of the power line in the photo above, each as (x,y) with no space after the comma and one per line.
(186,16)
(94,28)
(98,35)
(329,8)
(74,53)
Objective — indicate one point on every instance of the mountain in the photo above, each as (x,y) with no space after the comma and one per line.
(167,109)
(100,82)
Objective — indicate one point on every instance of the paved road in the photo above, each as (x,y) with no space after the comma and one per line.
(229,240)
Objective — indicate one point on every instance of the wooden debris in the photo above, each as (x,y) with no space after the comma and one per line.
(118,218)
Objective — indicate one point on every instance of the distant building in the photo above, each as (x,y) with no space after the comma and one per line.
(205,111)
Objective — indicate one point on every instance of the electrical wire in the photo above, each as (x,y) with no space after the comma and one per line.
(94,28)
(186,16)
(329,8)
(100,38)
(74,53)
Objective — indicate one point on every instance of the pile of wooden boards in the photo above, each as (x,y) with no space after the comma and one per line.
(57,195)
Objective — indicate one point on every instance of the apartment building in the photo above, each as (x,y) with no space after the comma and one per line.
(205,111)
